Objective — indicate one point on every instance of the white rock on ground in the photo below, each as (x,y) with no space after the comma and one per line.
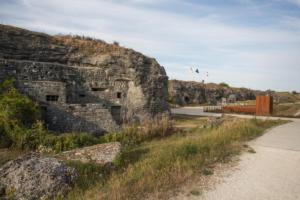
(31,177)
(102,154)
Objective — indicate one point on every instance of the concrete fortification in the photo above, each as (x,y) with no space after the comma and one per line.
(83,84)
(190,92)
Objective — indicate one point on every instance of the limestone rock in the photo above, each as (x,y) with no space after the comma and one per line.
(191,92)
(103,154)
(31,177)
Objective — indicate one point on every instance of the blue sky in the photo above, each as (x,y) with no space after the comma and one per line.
(249,43)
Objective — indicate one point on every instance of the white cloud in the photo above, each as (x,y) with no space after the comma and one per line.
(297,2)
(177,39)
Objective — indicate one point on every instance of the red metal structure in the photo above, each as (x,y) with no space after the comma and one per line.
(264,106)
(247,109)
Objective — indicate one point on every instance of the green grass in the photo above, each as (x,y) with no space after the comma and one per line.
(159,165)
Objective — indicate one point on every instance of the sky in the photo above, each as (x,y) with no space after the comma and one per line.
(245,43)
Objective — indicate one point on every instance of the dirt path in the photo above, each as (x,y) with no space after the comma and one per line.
(272,173)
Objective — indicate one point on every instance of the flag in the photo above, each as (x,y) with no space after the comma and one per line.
(191,69)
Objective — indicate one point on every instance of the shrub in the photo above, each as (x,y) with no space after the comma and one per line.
(224,85)
(131,134)
(68,141)
(17,107)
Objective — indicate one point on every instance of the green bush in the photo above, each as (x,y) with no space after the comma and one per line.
(21,126)
(16,106)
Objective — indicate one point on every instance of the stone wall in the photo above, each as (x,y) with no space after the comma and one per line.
(92,118)
(61,71)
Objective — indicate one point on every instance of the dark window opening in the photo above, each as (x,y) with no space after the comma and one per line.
(52,97)
(81,95)
(119,95)
(98,89)
(186,99)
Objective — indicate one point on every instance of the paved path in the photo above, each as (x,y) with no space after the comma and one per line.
(272,173)
(198,111)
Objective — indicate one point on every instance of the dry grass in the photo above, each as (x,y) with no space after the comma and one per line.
(9,154)
(287,97)
(286,110)
(131,134)
(188,121)
(159,165)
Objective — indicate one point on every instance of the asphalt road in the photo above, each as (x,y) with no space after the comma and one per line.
(272,173)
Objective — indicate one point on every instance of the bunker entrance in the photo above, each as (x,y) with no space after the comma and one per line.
(186,99)
(116,114)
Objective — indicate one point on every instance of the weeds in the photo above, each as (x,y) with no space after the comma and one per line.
(156,166)
(132,134)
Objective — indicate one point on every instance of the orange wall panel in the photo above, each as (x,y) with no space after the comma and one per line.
(264,105)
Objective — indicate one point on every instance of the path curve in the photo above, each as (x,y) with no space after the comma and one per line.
(272,173)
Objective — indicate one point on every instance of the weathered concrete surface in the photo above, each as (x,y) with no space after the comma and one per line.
(272,173)
(31,177)
(102,154)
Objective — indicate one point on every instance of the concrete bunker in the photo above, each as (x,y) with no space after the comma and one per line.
(83,85)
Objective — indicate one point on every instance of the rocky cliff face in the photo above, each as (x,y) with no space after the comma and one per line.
(189,92)
(68,73)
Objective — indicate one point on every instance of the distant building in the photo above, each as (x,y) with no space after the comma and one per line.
(231,99)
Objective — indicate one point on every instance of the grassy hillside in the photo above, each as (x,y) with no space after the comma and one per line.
(156,166)
(156,157)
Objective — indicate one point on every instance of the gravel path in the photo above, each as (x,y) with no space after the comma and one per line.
(272,173)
